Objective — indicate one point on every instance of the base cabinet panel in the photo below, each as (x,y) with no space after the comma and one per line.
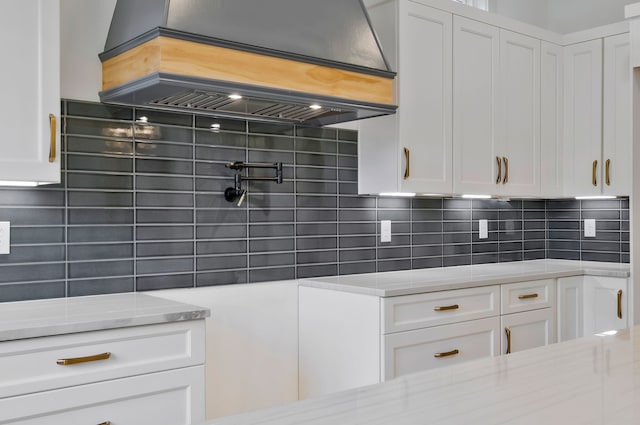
(522,331)
(570,308)
(605,304)
(166,398)
(413,351)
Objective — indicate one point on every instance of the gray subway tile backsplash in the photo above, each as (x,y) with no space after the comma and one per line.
(141,207)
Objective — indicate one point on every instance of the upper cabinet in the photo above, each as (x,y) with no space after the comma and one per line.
(30,82)
(598,117)
(488,111)
(496,104)
(412,151)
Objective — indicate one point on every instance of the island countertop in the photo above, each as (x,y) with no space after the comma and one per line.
(591,380)
(389,284)
(31,319)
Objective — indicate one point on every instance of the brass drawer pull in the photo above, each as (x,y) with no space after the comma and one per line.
(527,296)
(594,180)
(105,423)
(53,126)
(620,304)
(607,166)
(407,170)
(506,170)
(447,308)
(499,160)
(447,354)
(88,359)
(508,332)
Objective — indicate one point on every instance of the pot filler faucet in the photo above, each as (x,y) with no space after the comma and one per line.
(237,193)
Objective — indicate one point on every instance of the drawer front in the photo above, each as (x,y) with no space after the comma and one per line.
(166,398)
(439,308)
(414,351)
(525,296)
(31,365)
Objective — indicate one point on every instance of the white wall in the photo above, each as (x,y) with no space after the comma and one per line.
(84,28)
(252,344)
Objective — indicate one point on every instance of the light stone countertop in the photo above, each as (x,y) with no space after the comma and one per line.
(389,284)
(588,381)
(31,319)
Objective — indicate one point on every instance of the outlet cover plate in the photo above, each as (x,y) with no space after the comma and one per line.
(590,228)
(385,231)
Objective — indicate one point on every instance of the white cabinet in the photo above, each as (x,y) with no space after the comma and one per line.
(522,331)
(605,304)
(551,120)
(30,83)
(496,104)
(476,65)
(597,127)
(411,151)
(140,375)
(589,305)
(617,112)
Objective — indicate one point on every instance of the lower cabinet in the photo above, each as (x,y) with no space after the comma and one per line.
(522,331)
(588,305)
(413,351)
(130,376)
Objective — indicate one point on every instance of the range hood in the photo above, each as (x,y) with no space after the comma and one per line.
(313,62)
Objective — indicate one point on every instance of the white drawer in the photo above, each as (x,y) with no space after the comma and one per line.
(414,351)
(525,296)
(409,312)
(31,365)
(166,398)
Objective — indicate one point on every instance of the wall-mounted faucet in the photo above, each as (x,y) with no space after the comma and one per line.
(237,193)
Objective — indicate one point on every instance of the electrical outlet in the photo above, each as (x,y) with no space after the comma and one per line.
(5,237)
(483,229)
(385,231)
(590,228)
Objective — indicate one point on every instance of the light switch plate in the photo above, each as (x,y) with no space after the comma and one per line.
(5,237)
(385,231)
(590,228)
(483,229)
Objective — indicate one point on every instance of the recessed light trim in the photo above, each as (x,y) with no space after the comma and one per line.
(315,106)
(235,96)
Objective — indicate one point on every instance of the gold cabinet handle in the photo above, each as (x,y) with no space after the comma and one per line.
(620,304)
(508,332)
(53,124)
(407,169)
(447,308)
(499,160)
(527,296)
(607,166)
(506,170)
(447,354)
(105,423)
(88,359)
(594,180)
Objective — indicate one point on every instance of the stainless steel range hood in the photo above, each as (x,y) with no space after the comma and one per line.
(314,62)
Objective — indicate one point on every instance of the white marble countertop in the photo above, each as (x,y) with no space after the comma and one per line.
(31,319)
(389,284)
(588,381)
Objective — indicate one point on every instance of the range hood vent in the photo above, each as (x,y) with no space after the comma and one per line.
(303,61)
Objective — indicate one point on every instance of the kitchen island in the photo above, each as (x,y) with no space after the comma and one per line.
(592,380)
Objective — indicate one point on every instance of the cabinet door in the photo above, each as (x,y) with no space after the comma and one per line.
(30,82)
(425,97)
(520,114)
(570,307)
(475,96)
(583,118)
(413,351)
(605,304)
(521,331)
(551,119)
(616,143)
